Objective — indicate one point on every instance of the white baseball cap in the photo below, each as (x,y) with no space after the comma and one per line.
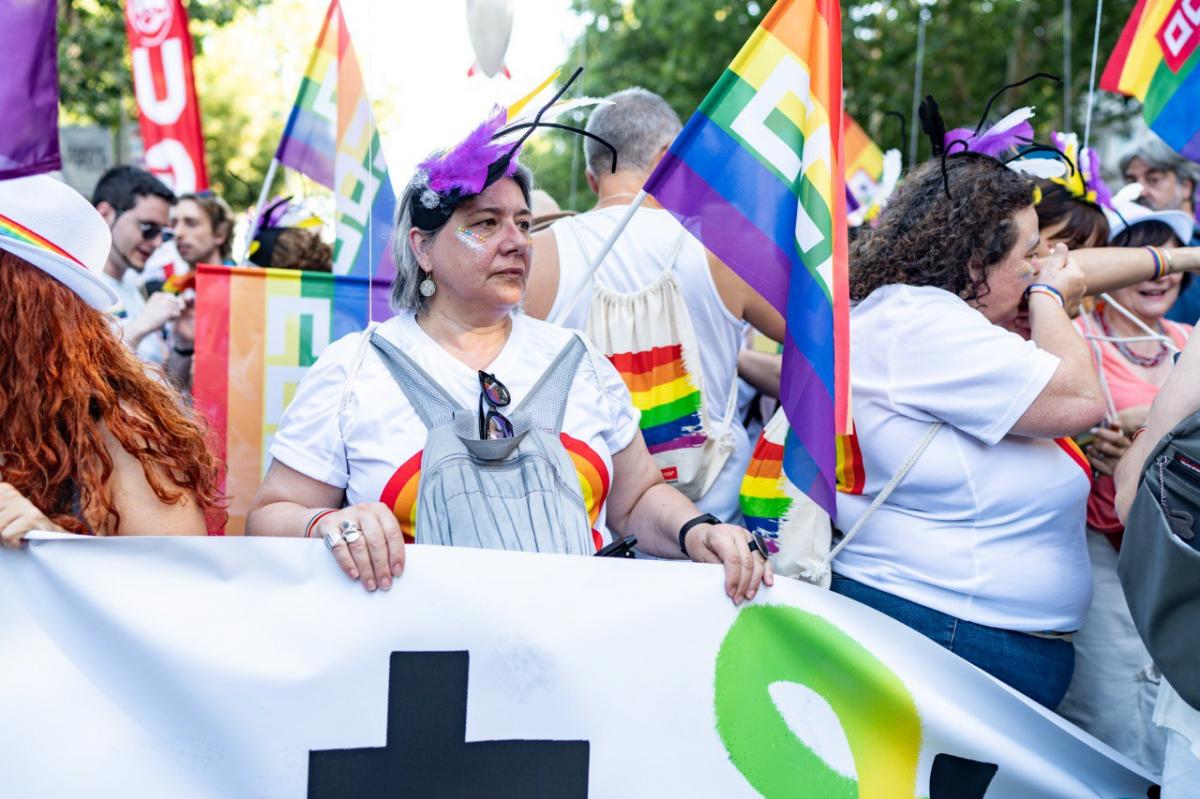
(1127,213)
(53,227)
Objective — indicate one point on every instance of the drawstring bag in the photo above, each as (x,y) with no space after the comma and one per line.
(799,531)
(649,338)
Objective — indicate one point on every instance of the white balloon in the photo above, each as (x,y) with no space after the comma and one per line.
(489,24)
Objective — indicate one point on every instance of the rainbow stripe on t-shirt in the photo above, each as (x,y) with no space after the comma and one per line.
(665,394)
(1073,451)
(400,494)
(400,491)
(593,480)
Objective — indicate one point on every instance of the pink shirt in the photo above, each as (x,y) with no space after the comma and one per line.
(1128,390)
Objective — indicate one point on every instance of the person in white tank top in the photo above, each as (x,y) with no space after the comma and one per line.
(640,125)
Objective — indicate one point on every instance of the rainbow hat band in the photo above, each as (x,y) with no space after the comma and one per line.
(52,227)
(11,229)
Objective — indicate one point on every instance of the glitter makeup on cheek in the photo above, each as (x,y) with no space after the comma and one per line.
(470,238)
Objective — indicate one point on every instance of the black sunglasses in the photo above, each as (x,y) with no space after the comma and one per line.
(152,230)
(493,395)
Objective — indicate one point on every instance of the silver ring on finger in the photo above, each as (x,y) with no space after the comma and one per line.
(758,543)
(333,539)
(351,532)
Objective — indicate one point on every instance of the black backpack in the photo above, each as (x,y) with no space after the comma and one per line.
(1159,564)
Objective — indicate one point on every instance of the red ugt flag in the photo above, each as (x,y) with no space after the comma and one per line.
(161,48)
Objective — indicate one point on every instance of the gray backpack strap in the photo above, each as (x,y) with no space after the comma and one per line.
(547,400)
(429,400)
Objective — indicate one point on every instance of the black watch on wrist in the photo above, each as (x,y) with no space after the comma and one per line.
(703,518)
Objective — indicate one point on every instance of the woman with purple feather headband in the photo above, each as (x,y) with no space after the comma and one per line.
(350,453)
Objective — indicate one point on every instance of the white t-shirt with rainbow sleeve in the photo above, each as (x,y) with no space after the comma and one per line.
(369,441)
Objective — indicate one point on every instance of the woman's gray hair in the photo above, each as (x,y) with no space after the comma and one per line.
(406,291)
(637,123)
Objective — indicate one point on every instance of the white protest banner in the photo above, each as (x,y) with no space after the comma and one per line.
(251,667)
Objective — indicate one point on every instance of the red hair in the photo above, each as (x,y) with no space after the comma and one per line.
(65,376)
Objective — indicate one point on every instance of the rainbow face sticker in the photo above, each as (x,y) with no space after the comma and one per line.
(470,238)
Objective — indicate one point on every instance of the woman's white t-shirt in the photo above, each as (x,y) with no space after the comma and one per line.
(988,526)
(369,440)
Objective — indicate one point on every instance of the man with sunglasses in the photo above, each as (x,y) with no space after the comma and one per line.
(136,205)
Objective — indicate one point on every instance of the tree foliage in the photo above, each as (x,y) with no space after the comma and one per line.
(973,47)
(96,83)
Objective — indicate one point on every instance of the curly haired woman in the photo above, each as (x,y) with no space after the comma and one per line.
(91,443)
(960,321)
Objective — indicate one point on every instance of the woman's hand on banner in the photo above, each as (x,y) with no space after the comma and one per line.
(729,545)
(19,516)
(366,541)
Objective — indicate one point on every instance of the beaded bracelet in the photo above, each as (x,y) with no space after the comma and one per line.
(1049,291)
(316,518)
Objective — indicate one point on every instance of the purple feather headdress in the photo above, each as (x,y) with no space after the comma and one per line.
(446,179)
(1013,132)
(466,166)
(1009,133)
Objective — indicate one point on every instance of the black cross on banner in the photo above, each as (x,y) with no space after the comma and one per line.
(426,755)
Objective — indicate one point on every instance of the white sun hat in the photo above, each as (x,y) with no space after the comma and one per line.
(47,223)
(1127,213)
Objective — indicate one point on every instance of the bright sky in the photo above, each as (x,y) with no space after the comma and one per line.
(414,57)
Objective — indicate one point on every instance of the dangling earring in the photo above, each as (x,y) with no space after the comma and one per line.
(427,287)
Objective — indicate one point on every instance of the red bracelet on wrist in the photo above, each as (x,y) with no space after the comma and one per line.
(313,521)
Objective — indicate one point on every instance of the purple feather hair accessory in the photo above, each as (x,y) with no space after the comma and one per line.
(276,211)
(1095,182)
(991,142)
(465,166)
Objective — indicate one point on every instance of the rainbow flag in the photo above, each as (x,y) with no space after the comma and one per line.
(864,164)
(257,333)
(757,175)
(1156,61)
(331,137)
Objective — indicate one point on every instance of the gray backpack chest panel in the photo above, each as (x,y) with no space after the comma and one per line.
(520,493)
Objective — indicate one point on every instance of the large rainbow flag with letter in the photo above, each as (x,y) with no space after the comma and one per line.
(1156,61)
(331,137)
(259,331)
(757,175)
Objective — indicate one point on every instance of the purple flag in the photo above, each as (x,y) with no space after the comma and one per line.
(29,89)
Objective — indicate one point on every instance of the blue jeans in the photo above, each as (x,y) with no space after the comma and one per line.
(1040,668)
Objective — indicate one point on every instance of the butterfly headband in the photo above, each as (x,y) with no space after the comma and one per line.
(446,179)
